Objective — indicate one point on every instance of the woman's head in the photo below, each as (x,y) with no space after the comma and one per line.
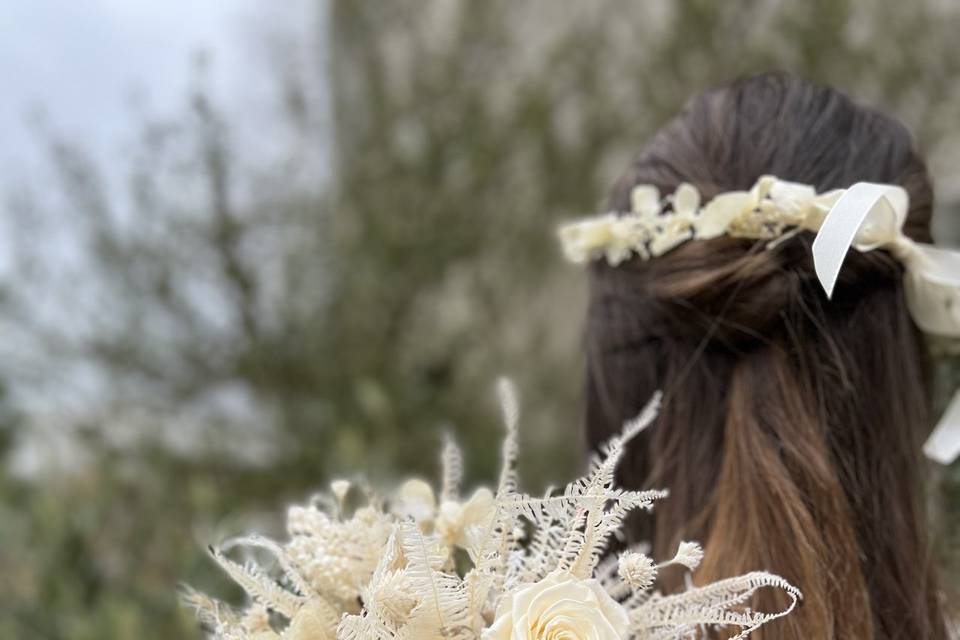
(791,424)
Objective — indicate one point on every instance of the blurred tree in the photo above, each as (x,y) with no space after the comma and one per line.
(246,321)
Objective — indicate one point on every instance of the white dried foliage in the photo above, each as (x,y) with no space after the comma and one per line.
(391,572)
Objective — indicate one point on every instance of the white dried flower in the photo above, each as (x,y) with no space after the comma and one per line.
(689,554)
(335,556)
(718,214)
(686,200)
(637,570)
(559,606)
(584,240)
(340,488)
(415,500)
(645,200)
(454,518)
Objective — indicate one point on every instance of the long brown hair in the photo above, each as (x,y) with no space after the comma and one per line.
(791,426)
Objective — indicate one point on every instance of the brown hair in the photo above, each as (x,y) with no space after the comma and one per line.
(791,425)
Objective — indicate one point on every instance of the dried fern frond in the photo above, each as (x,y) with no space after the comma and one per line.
(452,464)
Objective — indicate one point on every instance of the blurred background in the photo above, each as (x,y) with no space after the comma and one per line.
(248,247)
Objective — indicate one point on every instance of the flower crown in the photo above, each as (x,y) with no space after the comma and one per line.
(866,216)
(656,225)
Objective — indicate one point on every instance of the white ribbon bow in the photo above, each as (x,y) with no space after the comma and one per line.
(871,216)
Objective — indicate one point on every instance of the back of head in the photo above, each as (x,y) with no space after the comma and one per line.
(792,425)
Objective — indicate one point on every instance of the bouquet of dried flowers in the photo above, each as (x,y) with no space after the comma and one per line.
(498,565)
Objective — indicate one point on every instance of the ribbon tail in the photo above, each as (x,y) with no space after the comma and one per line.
(933,290)
(943,445)
(844,219)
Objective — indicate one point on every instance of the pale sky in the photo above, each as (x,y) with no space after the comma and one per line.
(83,63)
(92,71)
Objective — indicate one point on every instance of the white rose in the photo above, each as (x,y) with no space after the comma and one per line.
(559,607)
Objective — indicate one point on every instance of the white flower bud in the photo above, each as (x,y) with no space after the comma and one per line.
(637,570)
(340,489)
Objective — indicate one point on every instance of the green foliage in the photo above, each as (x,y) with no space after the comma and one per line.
(353,320)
